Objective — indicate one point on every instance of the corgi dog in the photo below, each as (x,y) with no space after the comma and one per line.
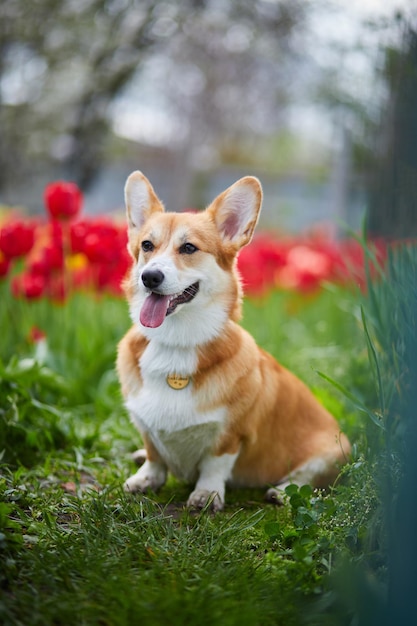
(212,407)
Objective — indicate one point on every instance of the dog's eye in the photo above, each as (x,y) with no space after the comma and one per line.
(147,246)
(188,248)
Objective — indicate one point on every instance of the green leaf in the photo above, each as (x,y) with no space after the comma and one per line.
(291,490)
(306,491)
(272,529)
(374,358)
(355,401)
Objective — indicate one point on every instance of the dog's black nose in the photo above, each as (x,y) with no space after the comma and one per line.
(152,278)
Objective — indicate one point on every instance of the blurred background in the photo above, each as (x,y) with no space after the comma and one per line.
(318,99)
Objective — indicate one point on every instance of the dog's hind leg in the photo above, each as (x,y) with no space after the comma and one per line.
(319,471)
(139,457)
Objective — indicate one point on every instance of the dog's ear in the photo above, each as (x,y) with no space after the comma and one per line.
(141,200)
(236,211)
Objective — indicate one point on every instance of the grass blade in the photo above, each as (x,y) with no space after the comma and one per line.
(355,401)
(373,358)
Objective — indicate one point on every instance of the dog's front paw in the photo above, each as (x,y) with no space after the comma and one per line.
(150,477)
(276,495)
(202,498)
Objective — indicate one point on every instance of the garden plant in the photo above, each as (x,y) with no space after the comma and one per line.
(75,549)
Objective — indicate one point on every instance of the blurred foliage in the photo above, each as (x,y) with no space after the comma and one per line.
(63,63)
(392,313)
(374,115)
(29,415)
(392,187)
(378,588)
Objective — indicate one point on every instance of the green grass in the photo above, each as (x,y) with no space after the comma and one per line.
(76,550)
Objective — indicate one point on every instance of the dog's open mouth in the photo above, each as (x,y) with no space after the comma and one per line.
(157,306)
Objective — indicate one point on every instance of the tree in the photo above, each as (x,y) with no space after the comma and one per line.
(63,63)
(392,187)
(69,60)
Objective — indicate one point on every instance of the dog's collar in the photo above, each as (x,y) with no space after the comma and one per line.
(178,382)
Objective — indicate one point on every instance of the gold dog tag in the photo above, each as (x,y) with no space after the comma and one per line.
(177,382)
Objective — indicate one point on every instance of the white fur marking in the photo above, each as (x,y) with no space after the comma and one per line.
(214,472)
(306,473)
(157,407)
(173,283)
(159,359)
(175,331)
(180,433)
(303,475)
(151,475)
(184,450)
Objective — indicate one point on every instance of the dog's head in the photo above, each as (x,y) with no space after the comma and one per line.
(183,285)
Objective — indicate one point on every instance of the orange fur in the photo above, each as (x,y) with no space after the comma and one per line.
(130,349)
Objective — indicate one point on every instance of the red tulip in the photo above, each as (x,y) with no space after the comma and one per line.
(259,262)
(16,239)
(93,247)
(29,286)
(100,248)
(36,334)
(53,257)
(63,200)
(78,233)
(57,289)
(39,267)
(55,232)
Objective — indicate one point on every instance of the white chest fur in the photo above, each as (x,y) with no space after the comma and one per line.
(181,433)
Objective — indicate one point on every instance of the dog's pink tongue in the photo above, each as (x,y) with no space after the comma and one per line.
(153,310)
